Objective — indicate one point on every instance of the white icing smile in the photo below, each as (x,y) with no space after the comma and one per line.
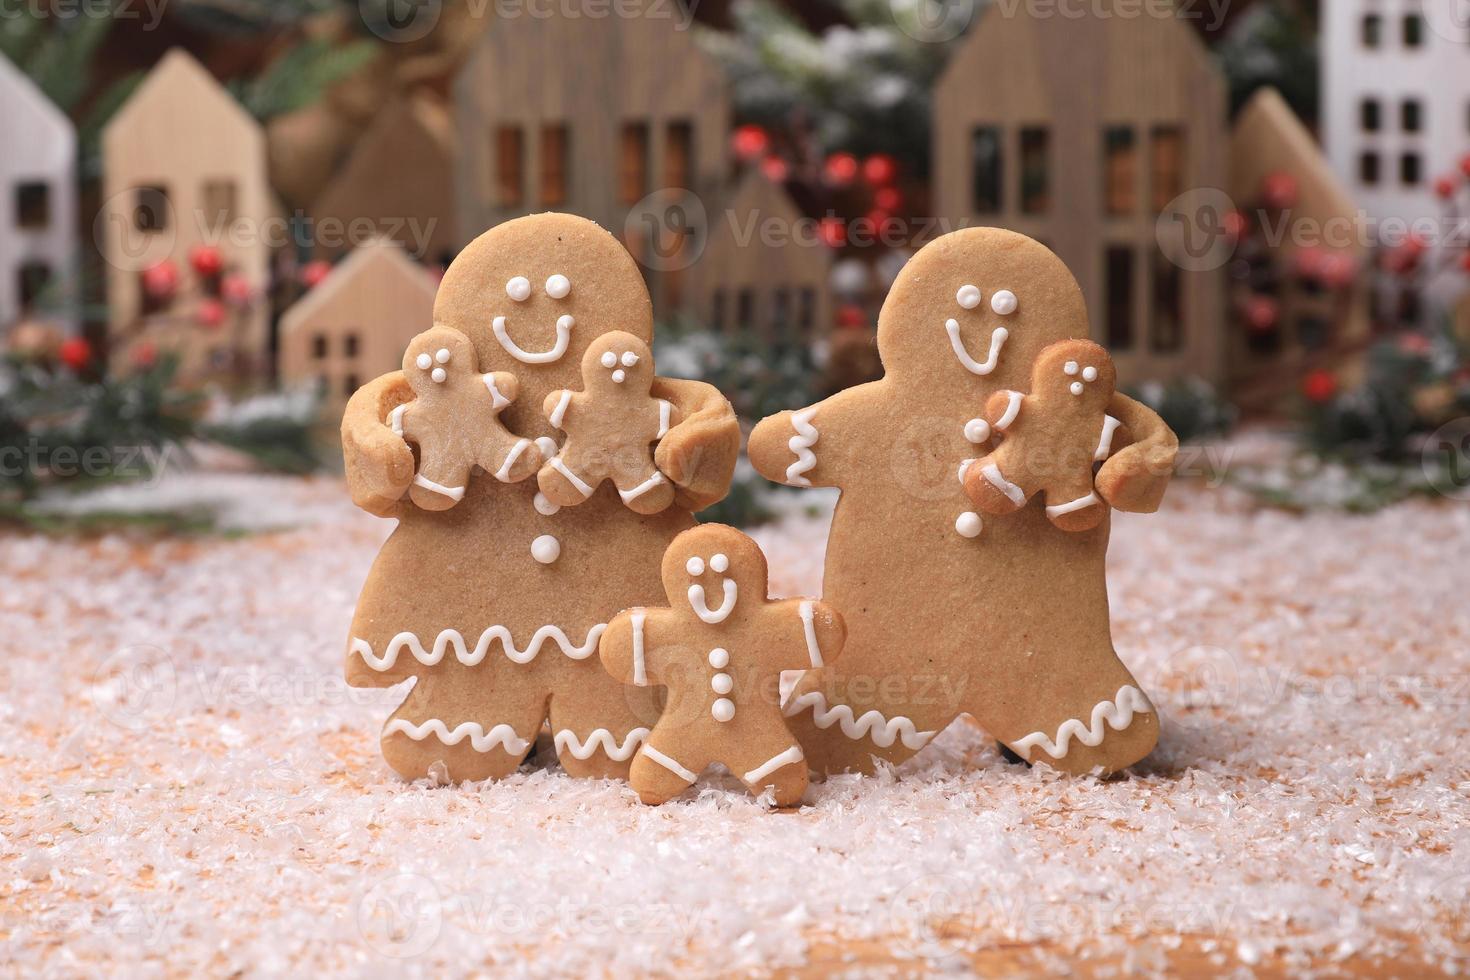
(564,325)
(997,341)
(697,602)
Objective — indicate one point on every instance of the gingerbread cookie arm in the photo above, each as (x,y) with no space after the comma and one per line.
(626,650)
(1135,477)
(699,451)
(809,447)
(379,463)
(814,633)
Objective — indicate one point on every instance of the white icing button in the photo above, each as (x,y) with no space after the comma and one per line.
(518,288)
(1076,387)
(719,563)
(721,683)
(424,362)
(719,658)
(439,376)
(1003,302)
(969,524)
(977,430)
(1089,374)
(968,297)
(442,356)
(546,549)
(629,359)
(619,376)
(609,359)
(723,709)
(1070,368)
(694,566)
(558,286)
(543,505)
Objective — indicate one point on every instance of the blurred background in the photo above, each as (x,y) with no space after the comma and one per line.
(219,217)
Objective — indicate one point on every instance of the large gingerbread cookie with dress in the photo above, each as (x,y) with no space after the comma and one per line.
(950,611)
(495,606)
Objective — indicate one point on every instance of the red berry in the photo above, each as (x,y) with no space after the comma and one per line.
(880,170)
(775,169)
(211,313)
(1236,225)
(206,260)
(1465,261)
(1465,165)
(314,272)
(750,142)
(160,281)
(75,353)
(1279,190)
(888,198)
(236,290)
(1261,313)
(832,232)
(1319,386)
(851,316)
(145,355)
(1445,187)
(1310,262)
(840,168)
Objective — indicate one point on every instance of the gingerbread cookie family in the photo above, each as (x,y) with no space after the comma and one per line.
(1002,617)
(721,660)
(495,605)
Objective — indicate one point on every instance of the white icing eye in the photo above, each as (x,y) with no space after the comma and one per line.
(968,297)
(442,356)
(1070,368)
(619,376)
(518,289)
(1003,302)
(1089,374)
(1076,387)
(439,376)
(424,362)
(629,359)
(694,566)
(719,563)
(719,658)
(558,286)
(977,430)
(609,359)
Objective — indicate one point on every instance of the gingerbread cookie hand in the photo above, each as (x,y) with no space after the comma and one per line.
(378,463)
(1050,438)
(719,648)
(1135,477)
(455,420)
(611,427)
(700,451)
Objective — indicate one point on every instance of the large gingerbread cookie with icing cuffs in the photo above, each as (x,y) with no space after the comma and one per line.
(495,605)
(950,610)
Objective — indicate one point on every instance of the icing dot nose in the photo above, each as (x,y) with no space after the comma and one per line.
(694,566)
(518,288)
(1089,374)
(442,356)
(1003,302)
(619,376)
(968,297)
(609,359)
(1076,387)
(424,362)
(558,286)
(439,376)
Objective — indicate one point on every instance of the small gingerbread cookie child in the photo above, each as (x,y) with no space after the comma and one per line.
(455,420)
(1050,438)
(722,667)
(611,426)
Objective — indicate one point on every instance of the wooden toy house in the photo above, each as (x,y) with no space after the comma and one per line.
(1299,301)
(593,115)
(760,277)
(187,227)
(38,204)
(398,182)
(354,324)
(1079,131)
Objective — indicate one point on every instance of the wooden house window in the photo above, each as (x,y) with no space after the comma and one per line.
(319,346)
(1035,169)
(510,151)
(717,311)
(679,155)
(1370,118)
(1414,29)
(806,311)
(1168,319)
(633,163)
(32,205)
(219,203)
(1372,30)
(350,345)
(34,277)
(781,320)
(1411,115)
(1120,170)
(1368,168)
(150,209)
(349,385)
(1166,181)
(1119,262)
(1411,169)
(555,144)
(745,309)
(986,169)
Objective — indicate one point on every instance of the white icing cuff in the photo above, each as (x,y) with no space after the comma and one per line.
(453,493)
(1013,408)
(801,444)
(1105,443)
(665,413)
(809,627)
(497,400)
(640,670)
(992,473)
(641,488)
(669,764)
(395,419)
(572,478)
(503,474)
(763,770)
(559,413)
(1081,503)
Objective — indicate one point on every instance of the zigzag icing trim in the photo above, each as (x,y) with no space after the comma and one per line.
(1118,713)
(470,658)
(801,444)
(501,736)
(883,731)
(566,741)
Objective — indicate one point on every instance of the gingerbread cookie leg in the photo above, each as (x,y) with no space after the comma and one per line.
(1074,506)
(645,490)
(563,485)
(658,775)
(441,480)
(777,765)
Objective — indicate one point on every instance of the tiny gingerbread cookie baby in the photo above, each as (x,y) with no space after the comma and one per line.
(611,426)
(1051,438)
(455,420)
(722,667)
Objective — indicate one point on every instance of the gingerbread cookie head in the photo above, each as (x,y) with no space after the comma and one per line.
(972,310)
(533,294)
(439,362)
(709,570)
(1076,375)
(618,364)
